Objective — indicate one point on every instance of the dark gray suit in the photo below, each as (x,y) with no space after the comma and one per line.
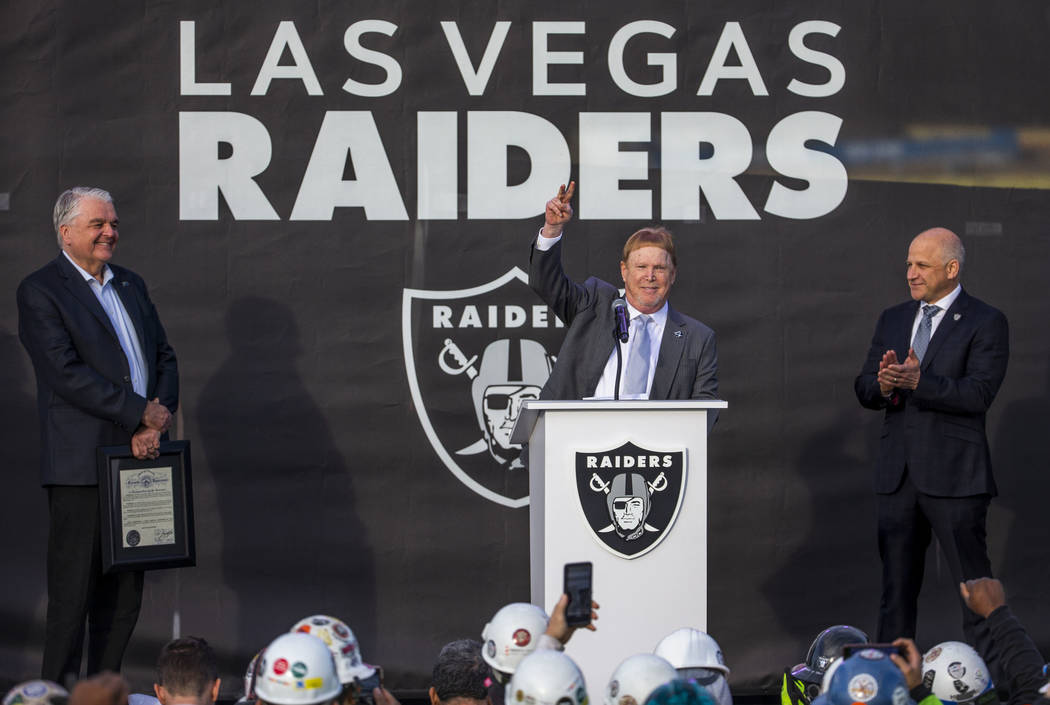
(85,400)
(934,469)
(687,366)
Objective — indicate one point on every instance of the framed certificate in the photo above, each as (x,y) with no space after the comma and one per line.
(146,508)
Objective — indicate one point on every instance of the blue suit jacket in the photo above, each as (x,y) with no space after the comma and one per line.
(937,431)
(687,365)
(84,393)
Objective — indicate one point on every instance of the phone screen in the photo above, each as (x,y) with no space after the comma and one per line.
(578,588)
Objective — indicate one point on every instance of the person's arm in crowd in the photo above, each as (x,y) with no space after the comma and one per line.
(1016,653)
(558,630)
(106,688)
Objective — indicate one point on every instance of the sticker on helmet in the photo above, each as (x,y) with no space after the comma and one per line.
(35,690)
(520,695)
(900,695)
(614,688)
(956,669)
(862,687)
(314,683)
(933,654)
(305,629)
(298,669)
(280,666)
(490,649)
(872,655)
(320,621)
(341,631)
(627,700)
(522,637)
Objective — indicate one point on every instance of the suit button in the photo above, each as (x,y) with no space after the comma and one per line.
(127,378)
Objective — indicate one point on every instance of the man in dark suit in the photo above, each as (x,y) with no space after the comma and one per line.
(676,355)
(934,366)
(105,376)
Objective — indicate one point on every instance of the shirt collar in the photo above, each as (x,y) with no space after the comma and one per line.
(107,273)
(660,317)
(945,303)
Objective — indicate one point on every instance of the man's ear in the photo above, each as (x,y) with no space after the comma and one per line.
(434,697)
(215,689)
(161,693)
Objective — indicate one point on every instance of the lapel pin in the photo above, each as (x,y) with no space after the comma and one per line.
(123,283)
(957,316)
(678,334)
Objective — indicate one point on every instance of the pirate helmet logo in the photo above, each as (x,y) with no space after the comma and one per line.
(473,358)
(630,496)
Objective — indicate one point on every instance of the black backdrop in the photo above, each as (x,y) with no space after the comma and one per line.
(318,488)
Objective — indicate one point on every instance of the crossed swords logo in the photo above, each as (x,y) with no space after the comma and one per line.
(657,485)
(452,350)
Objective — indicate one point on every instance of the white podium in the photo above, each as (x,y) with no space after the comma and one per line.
(622,484)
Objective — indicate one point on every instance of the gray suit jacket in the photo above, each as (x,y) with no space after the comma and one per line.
(84,393)
(687,367)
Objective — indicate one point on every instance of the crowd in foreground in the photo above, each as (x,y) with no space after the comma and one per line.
(520,660)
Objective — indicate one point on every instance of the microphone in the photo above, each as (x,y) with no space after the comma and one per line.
(620,309)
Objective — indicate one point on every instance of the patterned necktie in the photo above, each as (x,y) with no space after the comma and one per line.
(636,376)
(922,336)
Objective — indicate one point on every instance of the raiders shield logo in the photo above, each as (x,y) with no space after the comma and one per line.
(473,356)
(630,496)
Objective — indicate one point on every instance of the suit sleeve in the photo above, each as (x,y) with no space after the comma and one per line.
(55,358)
(1017,655)
(866,385)
(705,385)
(548,279)
(985,368)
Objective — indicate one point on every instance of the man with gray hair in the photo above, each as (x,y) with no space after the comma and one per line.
(105,376)
(934,367)
(461,676)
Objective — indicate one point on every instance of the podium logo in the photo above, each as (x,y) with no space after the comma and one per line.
(630,496)
(473,357)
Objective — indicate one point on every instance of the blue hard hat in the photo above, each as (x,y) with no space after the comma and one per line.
(868,677)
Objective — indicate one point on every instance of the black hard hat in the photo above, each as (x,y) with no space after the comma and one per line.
(826,648)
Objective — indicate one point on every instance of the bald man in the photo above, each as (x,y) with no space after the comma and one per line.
(934,367)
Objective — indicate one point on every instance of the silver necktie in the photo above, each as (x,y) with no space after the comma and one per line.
(922,335)
(636,376)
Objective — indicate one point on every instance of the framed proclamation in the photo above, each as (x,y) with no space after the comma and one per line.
(146,508)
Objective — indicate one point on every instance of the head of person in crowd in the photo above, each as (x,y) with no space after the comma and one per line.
(826,647)
(358,678)
(547,677)
(636,677)
(187,672)
(460,676)
(648,268)
(867,677)
(297,669)
(38,692)
(680,691)
(512,634)
(957,675)
(696,656)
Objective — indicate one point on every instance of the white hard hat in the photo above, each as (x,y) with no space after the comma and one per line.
(637,677)
(547,677)
(297,669)
(38,692)
(341,642)
(955,673)
(691,648)
(512,634)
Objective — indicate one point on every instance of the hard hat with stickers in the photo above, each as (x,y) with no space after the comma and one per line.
(511,635)
(547,677)
(957,675)
(297,669)
(637,677)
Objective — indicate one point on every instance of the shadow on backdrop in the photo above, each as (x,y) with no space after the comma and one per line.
(1022,456)
(293,544)
(832,576)
(25,521)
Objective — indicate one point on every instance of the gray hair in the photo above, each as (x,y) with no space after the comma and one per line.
(953,249)
(67,207)
(460,672)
